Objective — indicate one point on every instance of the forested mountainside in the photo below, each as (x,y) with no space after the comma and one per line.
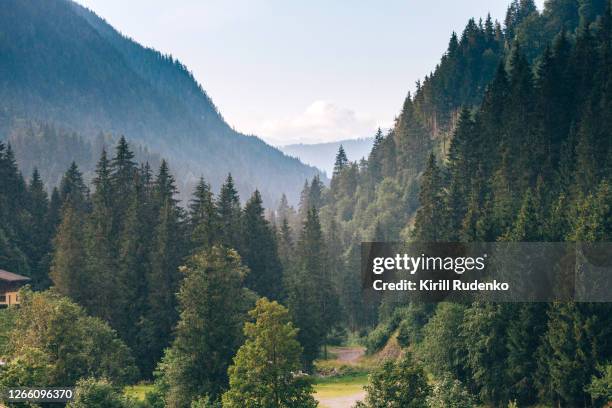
(52,150)
(509,139)
(521,156)
(381,193)
(63,66)
(321,155)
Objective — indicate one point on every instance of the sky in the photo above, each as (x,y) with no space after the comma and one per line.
(293,71)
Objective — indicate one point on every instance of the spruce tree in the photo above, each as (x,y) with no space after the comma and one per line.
(134,246)
(69,259)
(259,251)
(430,216)
(203,222)
(341,161)
(483,332)
(229,213)
(304,206)
(40,234)
(315,193)
(68,265)
(308,289)
(100,246)
(285,244)
(73,189)
(525,328)
(162,280)
(213,307)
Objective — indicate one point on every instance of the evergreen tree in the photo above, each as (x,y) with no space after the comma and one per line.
(566,358)
(73,190)
(304,206)
(315,193)
(266,368)
(460,167)
(594,217)
(429,217)
(483,332)
(213,306)
(309,289)
(101,263)
(123,171)
(202,217)
(285,244)
(441,349)
(39,232)
(400,384)
(134,246)
(341,161)
(229,214)
(527,227)
(524,331)
(259,251)
(162,280)
(69,254)
(53,217)
(375,159)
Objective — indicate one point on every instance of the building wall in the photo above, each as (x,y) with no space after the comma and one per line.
(9,298)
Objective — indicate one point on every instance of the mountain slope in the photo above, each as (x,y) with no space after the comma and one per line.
(321,155)
(62,64)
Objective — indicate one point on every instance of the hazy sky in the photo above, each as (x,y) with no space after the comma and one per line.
(301,71)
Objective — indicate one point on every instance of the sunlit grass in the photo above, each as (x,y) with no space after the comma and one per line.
(329,387)
(138,391)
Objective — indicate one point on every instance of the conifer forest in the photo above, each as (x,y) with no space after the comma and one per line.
(152,280)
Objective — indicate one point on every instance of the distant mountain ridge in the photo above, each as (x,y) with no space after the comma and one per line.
(61,64)
(321,155)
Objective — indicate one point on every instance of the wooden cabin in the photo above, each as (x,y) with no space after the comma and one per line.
(9,287)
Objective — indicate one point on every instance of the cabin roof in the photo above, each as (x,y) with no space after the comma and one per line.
(12,277)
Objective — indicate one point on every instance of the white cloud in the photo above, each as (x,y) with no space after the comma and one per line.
(322,121)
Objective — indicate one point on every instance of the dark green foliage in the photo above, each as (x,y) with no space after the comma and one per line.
(162,279)
(400,384)
(600,388)
(265,372)
(311,298)
(69,257)
(229,214)
(442,350)
(213,306)
(341,161)
(92,393)
(483,331)
(430,215)
(523,336)
(450,393)
(39,232)
(575,340)
(99,245)
(203,221)
(259,251)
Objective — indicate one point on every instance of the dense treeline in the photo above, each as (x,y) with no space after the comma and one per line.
(51,150)
(507,140)
(171,281)
(523,155)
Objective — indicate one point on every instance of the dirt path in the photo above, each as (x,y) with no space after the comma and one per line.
(343,395)
(348,354)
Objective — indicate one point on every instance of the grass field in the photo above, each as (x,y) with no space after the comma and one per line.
(340,386)
(138,391)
